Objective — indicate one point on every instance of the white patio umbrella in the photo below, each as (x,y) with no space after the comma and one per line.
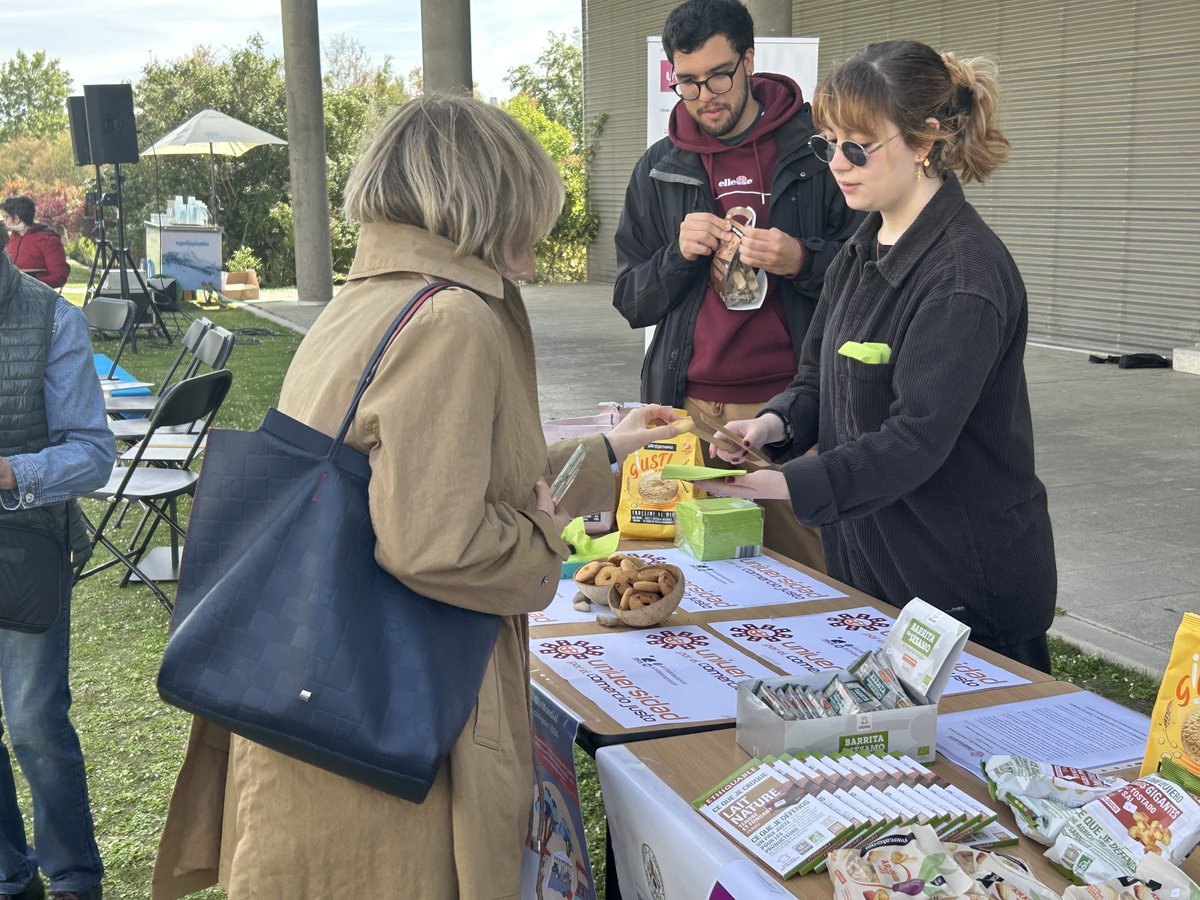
(211,132)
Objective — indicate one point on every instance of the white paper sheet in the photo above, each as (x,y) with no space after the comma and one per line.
(560,609)
(653,677)
(805,644)
(740,583)
(1078,729)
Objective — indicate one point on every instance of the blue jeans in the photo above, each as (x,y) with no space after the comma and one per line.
(34,700)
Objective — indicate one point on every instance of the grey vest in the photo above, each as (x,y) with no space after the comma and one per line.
(26,325)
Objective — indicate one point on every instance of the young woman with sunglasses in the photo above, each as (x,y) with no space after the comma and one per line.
(911,380)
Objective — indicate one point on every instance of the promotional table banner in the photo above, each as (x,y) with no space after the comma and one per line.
(561,869)
(655,676)
(663,849)
(802,645)
(739,583)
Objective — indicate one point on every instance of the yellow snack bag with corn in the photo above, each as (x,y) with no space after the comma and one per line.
(1175,724)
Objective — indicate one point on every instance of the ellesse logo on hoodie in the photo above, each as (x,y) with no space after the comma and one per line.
(740,181)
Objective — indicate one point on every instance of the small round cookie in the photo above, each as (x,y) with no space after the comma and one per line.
(629,564)
(649,587)
(667,582)
(642,598)
(607,575)
(587,572)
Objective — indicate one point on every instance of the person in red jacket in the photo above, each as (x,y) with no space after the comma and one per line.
(35,249)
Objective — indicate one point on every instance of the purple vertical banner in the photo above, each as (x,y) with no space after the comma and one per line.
(559,868)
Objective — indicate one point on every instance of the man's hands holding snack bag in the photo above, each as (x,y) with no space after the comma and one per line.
(701,234)
(644,425)
(543,502)
(772,251)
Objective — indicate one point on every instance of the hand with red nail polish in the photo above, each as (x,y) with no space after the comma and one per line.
(765,484)
(765,429)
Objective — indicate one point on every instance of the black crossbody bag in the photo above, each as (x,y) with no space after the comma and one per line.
(35,577)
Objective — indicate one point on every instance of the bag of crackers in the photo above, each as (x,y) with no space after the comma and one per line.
(1175,724)
(646,509)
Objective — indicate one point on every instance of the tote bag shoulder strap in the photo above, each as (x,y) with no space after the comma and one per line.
(403,318)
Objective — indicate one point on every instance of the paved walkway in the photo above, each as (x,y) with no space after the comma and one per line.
(1119,451)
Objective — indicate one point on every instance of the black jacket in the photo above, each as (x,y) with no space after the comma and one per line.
(657,286)
(925,483)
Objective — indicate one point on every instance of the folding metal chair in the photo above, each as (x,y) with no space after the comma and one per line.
(112,314)
(193,400)
(213,351)
(188,346)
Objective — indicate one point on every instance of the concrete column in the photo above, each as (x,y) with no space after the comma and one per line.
(772,18)
(446,46)
(306,151)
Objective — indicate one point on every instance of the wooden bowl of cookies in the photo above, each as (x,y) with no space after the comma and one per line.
(650,599)
(595,579)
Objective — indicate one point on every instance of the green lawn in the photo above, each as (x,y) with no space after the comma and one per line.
(134,742)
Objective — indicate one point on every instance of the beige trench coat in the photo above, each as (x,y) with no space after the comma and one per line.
(452,428)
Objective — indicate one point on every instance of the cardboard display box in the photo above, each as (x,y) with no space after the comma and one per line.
(920,635)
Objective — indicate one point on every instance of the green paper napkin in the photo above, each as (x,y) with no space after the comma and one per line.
(873,354)
(697,473)
(587,547)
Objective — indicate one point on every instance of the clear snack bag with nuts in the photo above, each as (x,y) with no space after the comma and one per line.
(737,284)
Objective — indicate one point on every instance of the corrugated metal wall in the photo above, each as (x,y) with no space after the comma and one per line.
(1100,202)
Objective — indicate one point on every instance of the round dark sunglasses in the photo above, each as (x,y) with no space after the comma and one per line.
(856,154)
(721,83)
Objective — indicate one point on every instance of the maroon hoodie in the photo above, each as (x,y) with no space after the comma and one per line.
(746,356)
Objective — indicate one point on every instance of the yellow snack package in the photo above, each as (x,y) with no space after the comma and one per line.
(1175,724)
(647,506)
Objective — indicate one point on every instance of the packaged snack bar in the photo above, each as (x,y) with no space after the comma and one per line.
(909,861)
(1034,779)
(991,837)
(923,646)
(1175,723)
(871,677)
(1108,837)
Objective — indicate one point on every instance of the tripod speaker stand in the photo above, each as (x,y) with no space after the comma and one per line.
(122,259)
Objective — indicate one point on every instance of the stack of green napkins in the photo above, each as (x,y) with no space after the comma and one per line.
(719,528)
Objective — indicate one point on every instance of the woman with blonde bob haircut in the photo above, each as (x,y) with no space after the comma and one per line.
(912,381)
(455,190)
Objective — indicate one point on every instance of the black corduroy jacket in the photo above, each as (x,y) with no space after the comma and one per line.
(924,483)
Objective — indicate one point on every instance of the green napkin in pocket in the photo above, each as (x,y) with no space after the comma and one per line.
(872,354)
(697,473)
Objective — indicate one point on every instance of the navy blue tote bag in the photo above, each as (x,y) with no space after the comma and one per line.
(287,632)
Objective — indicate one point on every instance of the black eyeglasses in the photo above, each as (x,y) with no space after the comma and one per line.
(716,84)
(856,154)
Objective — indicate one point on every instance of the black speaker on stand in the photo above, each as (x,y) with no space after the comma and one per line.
(112,140)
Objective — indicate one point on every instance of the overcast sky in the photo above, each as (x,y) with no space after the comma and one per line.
(108,41)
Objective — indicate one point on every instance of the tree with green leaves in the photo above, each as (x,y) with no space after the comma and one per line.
(33,96)
(555,83)
(562,256)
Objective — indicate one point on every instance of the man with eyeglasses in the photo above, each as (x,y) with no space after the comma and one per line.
(736,139)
